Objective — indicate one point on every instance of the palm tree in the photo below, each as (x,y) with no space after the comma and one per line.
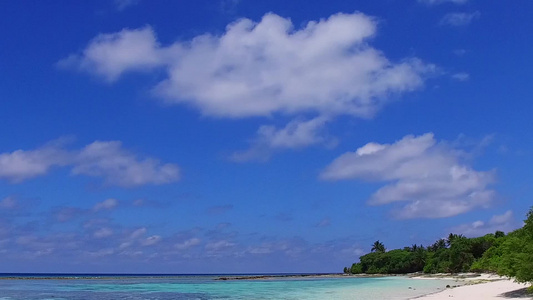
(419,257)
(450,239)
(378,247)
(453,237)
(440,244)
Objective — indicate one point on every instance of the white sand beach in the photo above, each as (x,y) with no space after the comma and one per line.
(484,287)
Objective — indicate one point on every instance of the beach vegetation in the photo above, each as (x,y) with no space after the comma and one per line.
(508,255)
(511,255)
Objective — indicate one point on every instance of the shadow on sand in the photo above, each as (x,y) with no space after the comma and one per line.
(520,293)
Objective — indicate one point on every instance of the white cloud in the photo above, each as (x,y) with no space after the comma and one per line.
(435,2)
(120,167)
(107,204)
(151,240)
(20,165)
(504,222)
(124,245)
(138,233)
(100,253)
(502,219)
(296,134)
(92,223)
(261,249)
(462,76)
(137,237)
(256,69)
(188,244)
(101,159)
(110,55)
(291,247)
(103,233)
(459,19)
(425,179)
(219,245)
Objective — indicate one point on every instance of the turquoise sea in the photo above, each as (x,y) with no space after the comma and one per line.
(203,287)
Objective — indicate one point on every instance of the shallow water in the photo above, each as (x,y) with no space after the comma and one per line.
(205,287)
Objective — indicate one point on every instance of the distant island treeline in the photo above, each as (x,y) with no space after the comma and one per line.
(507,255)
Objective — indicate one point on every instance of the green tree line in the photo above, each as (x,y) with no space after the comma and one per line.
(507,255)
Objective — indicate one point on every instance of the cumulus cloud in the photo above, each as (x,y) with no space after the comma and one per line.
(504,222)
(100,253)
(257,69)
(110,55)
(20,165)
(502,219)
(105,159)
(107,204)
(136,236)
(219,245)
(296,134)
(462,76)
(184,245)
(291,247)
(103,233)
(425,179)
(151,240)
(459,19)
(120,167)
(436,2)
(137,233)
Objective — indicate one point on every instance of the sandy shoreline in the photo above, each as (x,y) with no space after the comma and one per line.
(485,286)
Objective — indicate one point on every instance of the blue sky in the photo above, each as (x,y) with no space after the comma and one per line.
(229,136)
